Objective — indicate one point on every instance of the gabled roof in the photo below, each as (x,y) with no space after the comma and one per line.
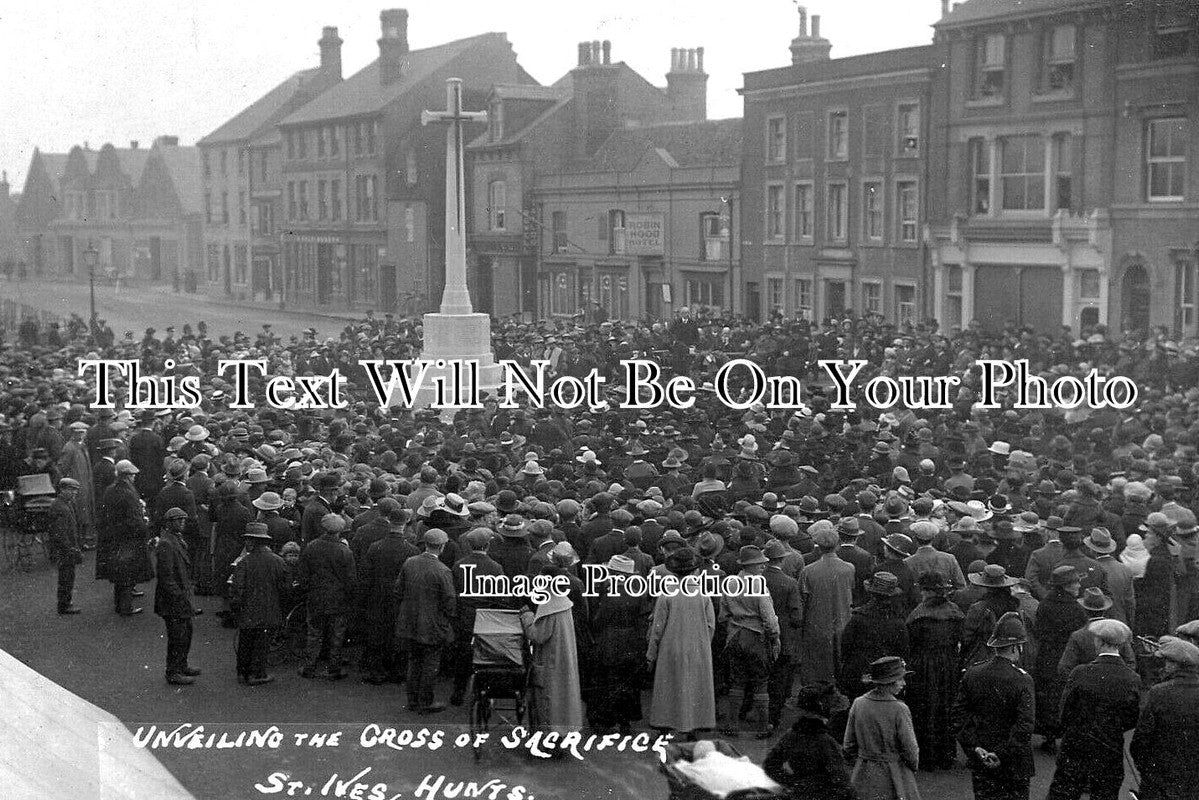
(132,162)
(363,94)
(56,164)
(183,163)
(973,11)
(263,112)
(686,144)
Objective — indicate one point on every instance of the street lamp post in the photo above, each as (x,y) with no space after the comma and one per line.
(90,256)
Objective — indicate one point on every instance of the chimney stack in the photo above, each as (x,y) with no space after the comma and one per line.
(607,48)
(4,187)
(596,52)
(133,144)
(393,44)
(687,85)
(330,45)
(584,50)
(807,48)
(167,141)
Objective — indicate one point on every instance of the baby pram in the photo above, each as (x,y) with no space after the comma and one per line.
(682,787)
(26,520)
(499,669)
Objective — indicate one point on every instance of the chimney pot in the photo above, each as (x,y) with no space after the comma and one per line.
(815,26)
(803,21)
(607,47)
(584,50)
(596,55)
(944,8)
(393,43)
(699,59)
(330,45)
(133,144)
(691,60)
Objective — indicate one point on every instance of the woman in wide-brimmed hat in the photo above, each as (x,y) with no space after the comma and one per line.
(934,637)
(875,629)
(880,736)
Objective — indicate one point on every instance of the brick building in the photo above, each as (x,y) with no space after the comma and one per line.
(1155,156)
(834,182)
(243,198)
(363,180)
(139,207)
(11,251)
(1022,164)
(604,188)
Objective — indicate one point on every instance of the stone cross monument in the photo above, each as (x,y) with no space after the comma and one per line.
(456,333)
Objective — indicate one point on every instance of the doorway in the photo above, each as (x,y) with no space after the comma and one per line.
(1134,299)
(834,298)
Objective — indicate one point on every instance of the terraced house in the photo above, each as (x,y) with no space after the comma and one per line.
(362,180)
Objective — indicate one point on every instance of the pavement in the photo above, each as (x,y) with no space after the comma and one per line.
(139,307)
(117,663)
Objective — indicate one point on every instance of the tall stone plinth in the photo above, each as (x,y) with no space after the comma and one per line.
(458,339)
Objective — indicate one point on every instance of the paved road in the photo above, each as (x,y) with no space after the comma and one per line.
(117,664)
(140,308)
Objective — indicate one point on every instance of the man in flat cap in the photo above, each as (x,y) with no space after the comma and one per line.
(327,574)
(1163,746)
(1100,702)
(124,537)
(173,598)
(425,596)
(64,541)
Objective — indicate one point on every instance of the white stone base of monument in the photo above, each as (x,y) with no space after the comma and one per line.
(459,340)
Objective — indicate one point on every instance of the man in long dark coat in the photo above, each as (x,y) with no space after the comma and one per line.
(124,539)
(377,575)
(1163,745)
(173,599)
(260,581)
(148,451)
(1100,702)
(425,596)
(994,717)
(478,540)
(326,575)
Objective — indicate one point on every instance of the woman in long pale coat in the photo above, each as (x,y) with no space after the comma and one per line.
(680,651)
(880,736)
(554,692)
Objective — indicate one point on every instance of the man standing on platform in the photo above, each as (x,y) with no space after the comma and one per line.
(173,599)
(64,546)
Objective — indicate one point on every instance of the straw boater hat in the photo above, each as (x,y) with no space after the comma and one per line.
(513,527)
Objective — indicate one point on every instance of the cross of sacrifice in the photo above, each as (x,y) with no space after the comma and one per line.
(456,298)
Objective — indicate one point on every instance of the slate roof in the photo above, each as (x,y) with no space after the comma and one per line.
(132,162)
(363,94)
(974,11)
(183,163)
(263,112)
(687,144)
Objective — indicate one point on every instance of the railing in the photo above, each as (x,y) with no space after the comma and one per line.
(13,313)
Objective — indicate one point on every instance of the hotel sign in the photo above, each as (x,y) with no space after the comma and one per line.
(645,234)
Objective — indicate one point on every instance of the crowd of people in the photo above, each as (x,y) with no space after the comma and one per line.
(940,581)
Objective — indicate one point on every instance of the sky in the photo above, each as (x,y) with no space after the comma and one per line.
(96,71)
